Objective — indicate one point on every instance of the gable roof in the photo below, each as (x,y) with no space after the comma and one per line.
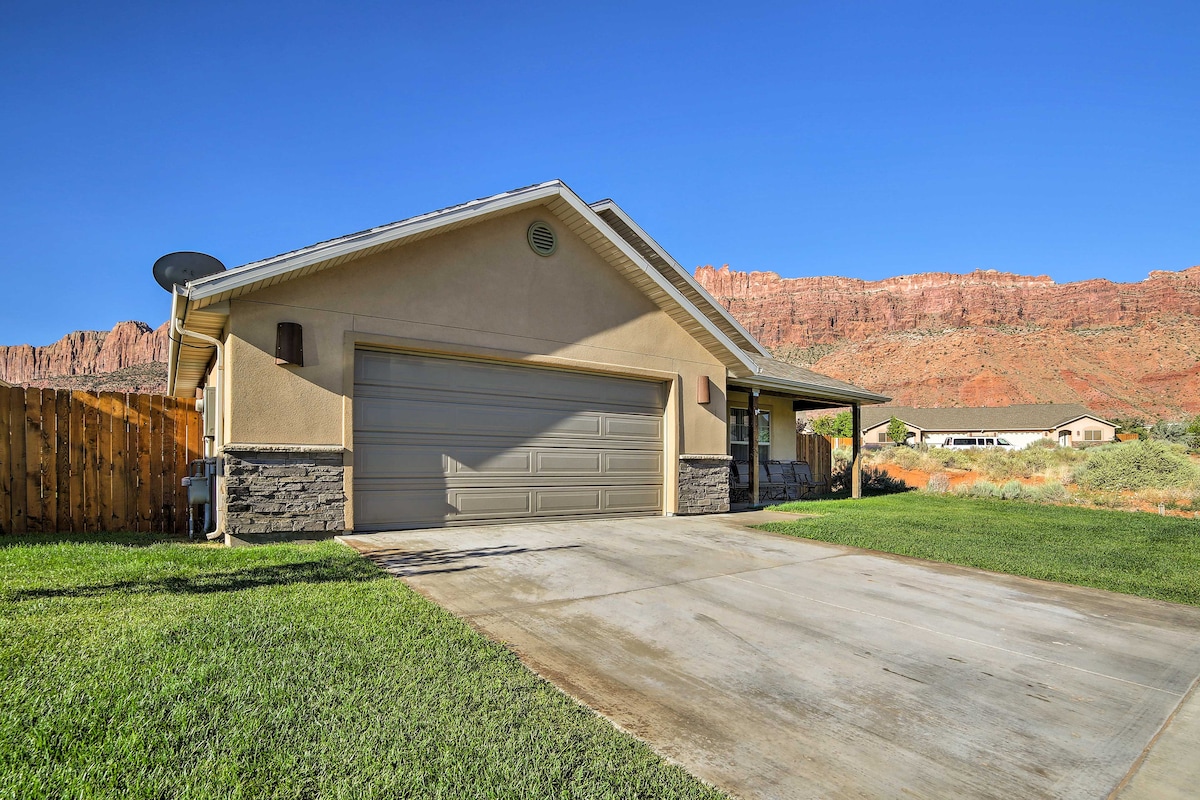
(1031,417)
(203,303)
(669,268)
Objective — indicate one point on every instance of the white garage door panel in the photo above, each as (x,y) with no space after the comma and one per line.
(443,441)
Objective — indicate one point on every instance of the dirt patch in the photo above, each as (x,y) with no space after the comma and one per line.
(919,478)
(1130,501)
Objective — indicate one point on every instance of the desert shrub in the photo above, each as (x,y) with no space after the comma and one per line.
(874,481)
(1193,435)
(1052,492)
(939,482)
(951,459)
(982,489)
(1013,490)
(877,481)
(905,457)
(1136,465)
(839,461)
(1001,464)
(1045,443)
(1037,460)
(1168,431)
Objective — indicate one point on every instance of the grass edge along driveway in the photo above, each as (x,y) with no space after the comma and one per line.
(1133,553)
(280,671)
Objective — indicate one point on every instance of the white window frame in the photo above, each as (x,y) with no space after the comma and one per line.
(764,432)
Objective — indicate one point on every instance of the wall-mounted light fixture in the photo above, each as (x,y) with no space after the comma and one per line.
(289,344)
(702,391)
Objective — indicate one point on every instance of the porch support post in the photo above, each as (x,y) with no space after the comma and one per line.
(856,450)
(752,413)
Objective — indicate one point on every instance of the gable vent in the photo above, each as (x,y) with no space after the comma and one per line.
(542,239)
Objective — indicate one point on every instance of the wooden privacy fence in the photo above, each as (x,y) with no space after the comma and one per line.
(83,462)
(814,450)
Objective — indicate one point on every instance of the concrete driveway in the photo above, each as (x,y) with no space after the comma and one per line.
(775,667)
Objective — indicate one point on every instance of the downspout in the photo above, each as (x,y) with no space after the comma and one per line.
(219,427)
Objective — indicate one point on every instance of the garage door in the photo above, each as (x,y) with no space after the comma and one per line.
(441,441)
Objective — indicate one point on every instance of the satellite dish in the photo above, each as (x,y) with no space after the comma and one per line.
(178,268)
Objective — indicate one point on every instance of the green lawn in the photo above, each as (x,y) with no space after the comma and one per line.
(283,671)
(1142,554)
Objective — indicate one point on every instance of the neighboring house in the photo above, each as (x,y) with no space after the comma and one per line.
(522,356)
(1066,423)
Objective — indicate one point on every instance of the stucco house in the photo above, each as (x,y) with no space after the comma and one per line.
(522,356)
(1067,423)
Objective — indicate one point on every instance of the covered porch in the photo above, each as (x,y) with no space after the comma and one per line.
(785,465)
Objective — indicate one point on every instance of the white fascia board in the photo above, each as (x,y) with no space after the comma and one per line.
(177,299)
(281,265)
(609,205)
(1082,416)
(589,214)
(812,390)
(889,421)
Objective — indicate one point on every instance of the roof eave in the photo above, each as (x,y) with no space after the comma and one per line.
(1081,416)
(812,390)
(739,357)
(226,285)
(683,273)
(173,348)
(213,286)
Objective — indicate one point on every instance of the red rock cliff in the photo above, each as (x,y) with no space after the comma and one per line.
(986,338)
(85,353)
(808,311)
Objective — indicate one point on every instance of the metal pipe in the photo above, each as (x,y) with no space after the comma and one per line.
(219,427)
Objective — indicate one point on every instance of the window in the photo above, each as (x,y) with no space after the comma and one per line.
(739,434)
(1092,434)
(883,437)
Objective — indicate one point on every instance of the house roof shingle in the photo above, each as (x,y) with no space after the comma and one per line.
(1032,417)
(772,368)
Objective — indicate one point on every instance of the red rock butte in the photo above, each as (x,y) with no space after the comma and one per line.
(128,344)
(986,337)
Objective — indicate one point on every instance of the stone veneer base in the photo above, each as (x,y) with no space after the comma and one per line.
(273,491)
(703,484)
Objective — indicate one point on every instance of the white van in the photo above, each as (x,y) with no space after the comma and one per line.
(967,442)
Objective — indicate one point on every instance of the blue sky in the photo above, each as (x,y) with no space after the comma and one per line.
(858,139)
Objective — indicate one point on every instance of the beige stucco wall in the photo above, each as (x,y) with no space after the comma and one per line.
(871,435)
(783,422)
(476,291)
(1079,426)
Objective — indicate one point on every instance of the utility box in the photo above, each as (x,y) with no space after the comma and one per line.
(209,412)
(198,492)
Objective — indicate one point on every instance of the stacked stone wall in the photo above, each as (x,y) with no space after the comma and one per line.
(291,491)
(703,484)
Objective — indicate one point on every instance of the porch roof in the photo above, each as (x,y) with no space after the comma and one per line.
(809,389)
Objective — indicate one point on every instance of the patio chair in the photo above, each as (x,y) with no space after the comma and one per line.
(808,485)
